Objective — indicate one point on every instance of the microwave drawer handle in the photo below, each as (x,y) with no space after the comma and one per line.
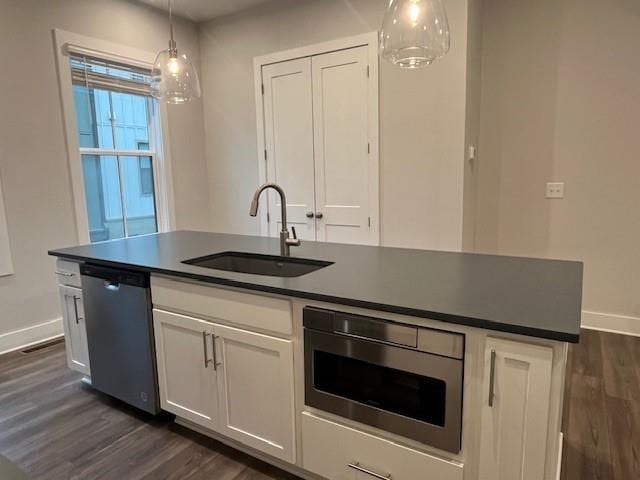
(359,468)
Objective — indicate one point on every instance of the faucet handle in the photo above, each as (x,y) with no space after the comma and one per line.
(294,242)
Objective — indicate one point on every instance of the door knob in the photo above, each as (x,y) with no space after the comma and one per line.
(310,215)
(319,215)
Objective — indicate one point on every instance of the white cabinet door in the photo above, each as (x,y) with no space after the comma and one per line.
(346,174)
(186,367)
(514,424)
(75,329)
(256,391)
(289,143)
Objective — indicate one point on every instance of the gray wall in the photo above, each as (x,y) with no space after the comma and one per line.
(33,160)
(560,102)
(422,117)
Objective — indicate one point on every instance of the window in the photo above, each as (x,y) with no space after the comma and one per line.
(117,132)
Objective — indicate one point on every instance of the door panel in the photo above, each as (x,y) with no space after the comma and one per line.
(289,143)
(187,379)
(514,424)
(256,391)
(341,139)
(75,330)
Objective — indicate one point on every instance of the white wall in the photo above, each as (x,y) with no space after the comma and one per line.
(560,102)
(422,117)
(33,160)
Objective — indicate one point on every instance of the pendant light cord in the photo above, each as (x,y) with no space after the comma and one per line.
(173,51)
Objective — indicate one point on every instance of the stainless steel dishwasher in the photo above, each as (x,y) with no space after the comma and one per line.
(119,323)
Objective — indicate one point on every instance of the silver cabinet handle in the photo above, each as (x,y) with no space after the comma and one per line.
(65,274)
(213,342)
(359,468)
(75,307)
(207,361)
(310,214)
(492,375)
(319,215)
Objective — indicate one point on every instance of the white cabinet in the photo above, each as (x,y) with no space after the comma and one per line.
(75,330)
(319,115)
(515,410)
(187,374)
(256,391)
(232,381)
(73,322)
(338,452)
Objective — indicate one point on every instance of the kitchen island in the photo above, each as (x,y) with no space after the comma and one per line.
(240,356)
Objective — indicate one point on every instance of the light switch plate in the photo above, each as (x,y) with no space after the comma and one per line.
(555,190)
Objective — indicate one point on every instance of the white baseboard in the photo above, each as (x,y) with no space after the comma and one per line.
(608,322)
(19,339)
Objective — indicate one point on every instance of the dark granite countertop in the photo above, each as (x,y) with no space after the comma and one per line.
(534,297)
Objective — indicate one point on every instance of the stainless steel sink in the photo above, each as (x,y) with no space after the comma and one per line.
(257,264)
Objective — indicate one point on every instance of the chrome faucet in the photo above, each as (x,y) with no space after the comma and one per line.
(286,242)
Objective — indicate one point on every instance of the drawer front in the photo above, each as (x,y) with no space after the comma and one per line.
(68,273)
(337,452)
(246,309)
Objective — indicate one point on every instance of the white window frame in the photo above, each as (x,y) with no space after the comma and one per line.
(371,41)
(67,42)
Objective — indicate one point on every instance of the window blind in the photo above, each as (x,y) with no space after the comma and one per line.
(93,72)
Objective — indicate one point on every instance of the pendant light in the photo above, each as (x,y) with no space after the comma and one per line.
(174,79)
(415,33)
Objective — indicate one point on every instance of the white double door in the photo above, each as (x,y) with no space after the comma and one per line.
(320,125)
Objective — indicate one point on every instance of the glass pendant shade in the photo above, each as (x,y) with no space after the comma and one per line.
(174,78)
(415,33)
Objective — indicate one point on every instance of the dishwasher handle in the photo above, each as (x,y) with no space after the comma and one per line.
(115,277)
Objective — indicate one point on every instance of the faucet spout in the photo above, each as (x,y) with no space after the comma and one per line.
(285,240)
(253,211)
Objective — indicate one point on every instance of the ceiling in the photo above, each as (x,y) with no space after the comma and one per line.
(202,10)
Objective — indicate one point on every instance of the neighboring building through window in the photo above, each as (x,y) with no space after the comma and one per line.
(117,136)
(146,171)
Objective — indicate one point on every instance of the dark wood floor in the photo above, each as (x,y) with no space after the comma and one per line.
(54,427)
(602,408)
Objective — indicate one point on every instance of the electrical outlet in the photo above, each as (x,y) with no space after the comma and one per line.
(555,190)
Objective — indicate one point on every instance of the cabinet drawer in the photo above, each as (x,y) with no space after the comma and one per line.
(337,452)
(257,311)
(68,273)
